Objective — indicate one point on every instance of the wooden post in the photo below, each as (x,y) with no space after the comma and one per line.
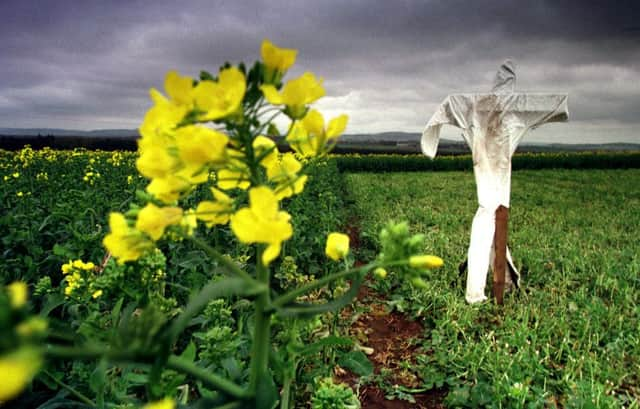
(500,251)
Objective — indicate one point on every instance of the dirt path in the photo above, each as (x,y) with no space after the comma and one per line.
(392,337)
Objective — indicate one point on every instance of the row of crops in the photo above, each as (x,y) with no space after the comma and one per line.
(570,340)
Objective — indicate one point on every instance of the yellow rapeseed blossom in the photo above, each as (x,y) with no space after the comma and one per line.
(425,261)
(166,403)
(168,189)
(198,145)
(266,148)
(124,242)
(179,88)
(309,136)
(337,246)
(18,294)
(16,371)
(155,161)
(222,98)
(163,117)
(277,58)
(74,281)
(189,222)
(153,219)
(217,212)
(236,174)
(262,222)
(295,94)
(79,264)
(284,173)
(96,294)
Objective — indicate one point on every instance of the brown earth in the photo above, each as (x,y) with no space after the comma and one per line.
(393,340)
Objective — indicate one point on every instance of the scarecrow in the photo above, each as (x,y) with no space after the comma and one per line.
(493,124)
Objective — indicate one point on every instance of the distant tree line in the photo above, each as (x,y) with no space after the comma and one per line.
(16,142)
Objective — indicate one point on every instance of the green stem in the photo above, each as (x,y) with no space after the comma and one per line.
(293,294)
(217,289)
(225,261)
(89,352)
(261,343)
(73,391)
(210,379)
(286,393)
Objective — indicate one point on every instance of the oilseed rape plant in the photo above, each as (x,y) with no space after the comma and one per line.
(208,153)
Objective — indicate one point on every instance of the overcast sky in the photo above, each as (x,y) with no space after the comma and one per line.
(387,63)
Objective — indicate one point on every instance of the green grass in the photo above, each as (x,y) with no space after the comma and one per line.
(573,338)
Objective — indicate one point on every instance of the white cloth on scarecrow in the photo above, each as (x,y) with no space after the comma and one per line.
(493,125)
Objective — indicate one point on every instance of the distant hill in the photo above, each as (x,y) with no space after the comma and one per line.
(384,142)
(112,133)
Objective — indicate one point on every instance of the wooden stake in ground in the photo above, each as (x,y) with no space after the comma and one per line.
(500,251)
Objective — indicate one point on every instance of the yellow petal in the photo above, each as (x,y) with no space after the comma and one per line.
(18,294)
(271,94)
(179,88)
(16,371)
(337,246)
(337,126)
(153,220)
(166,403)
(271,253)
(277,58)
(198,145)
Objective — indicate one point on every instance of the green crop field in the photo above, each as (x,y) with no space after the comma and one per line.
(570,339)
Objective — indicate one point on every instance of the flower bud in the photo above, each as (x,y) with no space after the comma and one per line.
(418,282)
(380,273)
(425,261)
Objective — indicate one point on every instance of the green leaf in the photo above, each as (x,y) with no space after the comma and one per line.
(330,341)
(357,362)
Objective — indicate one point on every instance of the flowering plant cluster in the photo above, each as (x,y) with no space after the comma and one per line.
(217,133)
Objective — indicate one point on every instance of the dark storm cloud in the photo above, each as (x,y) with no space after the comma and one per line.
(89,64)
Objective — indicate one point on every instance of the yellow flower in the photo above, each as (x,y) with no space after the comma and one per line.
(67,267)
(124,242)
(179,88)
(276,60)
(168,189)
(215,212)
(265,147)
(155,161)
(309,137)
(166,403)
(74,281)
(79,264)
(198,145)
(16,371)
(18,294)
(285,174)
(96,294)
(425,261)
(262,222)
(153,219)
(222,98)
(296,94)
(337,246)
(189,222)
(235,174)
(163,117)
